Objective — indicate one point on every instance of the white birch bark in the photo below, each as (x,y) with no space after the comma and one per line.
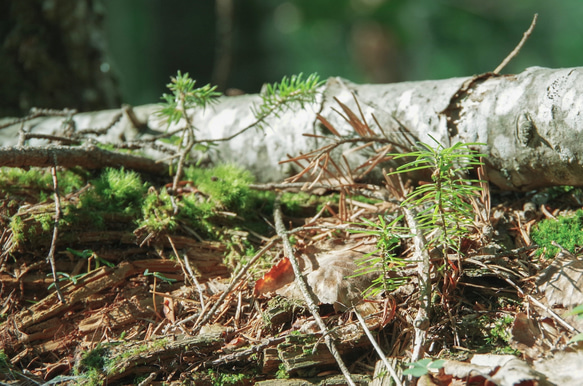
(531,123)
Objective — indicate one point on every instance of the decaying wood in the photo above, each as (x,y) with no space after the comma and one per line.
(335,380)
(170,353)
(25,326)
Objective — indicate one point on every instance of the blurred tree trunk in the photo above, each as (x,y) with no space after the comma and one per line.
(53,55)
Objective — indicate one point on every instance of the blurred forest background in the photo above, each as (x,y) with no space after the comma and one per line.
(95,54)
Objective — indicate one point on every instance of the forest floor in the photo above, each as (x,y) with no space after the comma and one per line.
(211,300)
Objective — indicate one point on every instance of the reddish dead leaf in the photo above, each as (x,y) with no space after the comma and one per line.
(279,275)
(329,272)
(169,309)
(234,344)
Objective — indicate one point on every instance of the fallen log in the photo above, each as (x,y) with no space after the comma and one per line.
(531,124)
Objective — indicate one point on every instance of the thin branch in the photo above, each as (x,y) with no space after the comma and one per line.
(50,137)
(378,349)
(58,213)
(36,113)
(237,356)
(516,49)
(421,322)
(288,252)
(188,270)
(89,157)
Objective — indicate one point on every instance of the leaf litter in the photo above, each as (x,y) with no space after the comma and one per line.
(174,319)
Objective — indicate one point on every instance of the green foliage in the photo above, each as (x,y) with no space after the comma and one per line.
(224,379)
(89,371)
(65,276)
(282,372)
(295,90)
(158,275)
(117,190)
(384,259)
(567,231)
(423,366)
(223,188)
(498,336)
(94,359)
(157,212)
(90,256)
(17,229)
(184,96)
(445,203)
(4,362)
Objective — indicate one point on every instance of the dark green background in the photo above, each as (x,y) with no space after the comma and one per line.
(138,44)
(413,39)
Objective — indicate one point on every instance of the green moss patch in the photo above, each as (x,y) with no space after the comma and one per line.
(566,231)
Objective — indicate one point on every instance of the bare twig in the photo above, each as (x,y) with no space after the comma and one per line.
(58,213)
(196,283)
(366,190)
(421,322)
(516,49)
(36,113)
(237,356)
(378,349)
(50,137)
(288,251)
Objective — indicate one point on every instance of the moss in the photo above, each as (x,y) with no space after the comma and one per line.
(227,186)
(17,228)
(116,190)
(567,231)
(38,182)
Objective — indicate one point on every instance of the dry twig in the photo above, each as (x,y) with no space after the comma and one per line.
(58,214)
(421,322)
(204,319)
(378,349)
(288,251)
(516,49)
(560,320)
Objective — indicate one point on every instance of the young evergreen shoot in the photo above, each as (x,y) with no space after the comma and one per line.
(294,90)
(444,204)
(185,96)
(383,259)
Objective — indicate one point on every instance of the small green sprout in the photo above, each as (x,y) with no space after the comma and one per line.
(65,276)
(423,366)
(158,275)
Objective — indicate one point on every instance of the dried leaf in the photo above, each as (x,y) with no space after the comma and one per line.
(169,310)
(518,372)
(279,275)
(562,282)
(327,274)
(564,368)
